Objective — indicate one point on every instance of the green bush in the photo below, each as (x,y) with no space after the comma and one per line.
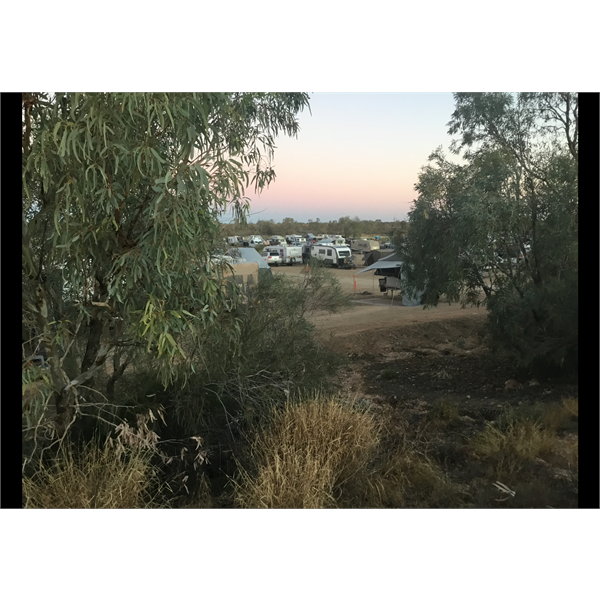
(275,356)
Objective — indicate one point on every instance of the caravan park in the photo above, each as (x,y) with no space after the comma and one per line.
(190,342)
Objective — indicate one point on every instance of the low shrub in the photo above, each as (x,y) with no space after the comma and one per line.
(274,358)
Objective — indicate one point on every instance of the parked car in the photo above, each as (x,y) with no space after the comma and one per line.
(272,257)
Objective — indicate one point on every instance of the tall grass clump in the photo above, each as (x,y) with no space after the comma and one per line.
(520,435)
(306,457)
(102,476)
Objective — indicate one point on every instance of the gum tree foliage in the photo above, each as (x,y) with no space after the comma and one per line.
(121,194)
(500,228)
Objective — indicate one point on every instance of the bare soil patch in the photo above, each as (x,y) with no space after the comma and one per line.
(438,383)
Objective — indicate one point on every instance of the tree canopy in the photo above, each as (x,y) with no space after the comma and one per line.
(500,229)
(121,199)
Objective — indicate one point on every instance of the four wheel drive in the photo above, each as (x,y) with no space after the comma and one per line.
(272,257)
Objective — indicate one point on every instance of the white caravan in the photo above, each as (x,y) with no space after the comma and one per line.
(277,240)
(333,241)
(364,245)
(290,255)
(339,256)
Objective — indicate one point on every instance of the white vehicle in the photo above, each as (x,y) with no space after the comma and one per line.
(271,256)
(255,240)
(277,240)
(290,255)
(364,245)
(333,241)
(339,256)
(235,239)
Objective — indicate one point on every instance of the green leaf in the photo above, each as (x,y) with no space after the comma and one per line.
(160,160)
(63,144)
(55,132)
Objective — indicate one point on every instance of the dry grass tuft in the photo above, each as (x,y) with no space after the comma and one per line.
(410,479)
(308,455)
(571,405)
(444,411)
(513,446)
(102,477)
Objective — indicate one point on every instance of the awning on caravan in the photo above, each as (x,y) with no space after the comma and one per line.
(389,262)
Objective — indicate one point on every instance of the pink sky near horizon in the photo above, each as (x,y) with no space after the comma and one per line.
(356,155)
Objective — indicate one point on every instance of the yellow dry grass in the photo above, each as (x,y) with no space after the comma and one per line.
(99,478)
(308,455)
(511,447)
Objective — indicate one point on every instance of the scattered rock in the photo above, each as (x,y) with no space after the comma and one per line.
(466,419)
(561,474)
(512,385)
(442,374)
(533,383)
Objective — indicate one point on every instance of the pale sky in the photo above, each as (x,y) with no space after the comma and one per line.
(357,154)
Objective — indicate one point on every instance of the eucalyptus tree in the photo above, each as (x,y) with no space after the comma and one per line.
(121,199)
(500,228)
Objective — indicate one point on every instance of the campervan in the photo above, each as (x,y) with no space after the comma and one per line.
(290,255)
(339,256)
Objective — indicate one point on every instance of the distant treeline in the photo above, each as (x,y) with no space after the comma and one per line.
(346,226)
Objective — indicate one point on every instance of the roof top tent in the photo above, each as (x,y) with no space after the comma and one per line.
(390,268)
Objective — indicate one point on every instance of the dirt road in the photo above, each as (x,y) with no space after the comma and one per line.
(371,309)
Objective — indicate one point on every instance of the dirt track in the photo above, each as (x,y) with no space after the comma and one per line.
(371,309)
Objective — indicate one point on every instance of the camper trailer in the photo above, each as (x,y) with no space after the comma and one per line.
(364,245)
(339,256)
(290,255)
(391,279)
